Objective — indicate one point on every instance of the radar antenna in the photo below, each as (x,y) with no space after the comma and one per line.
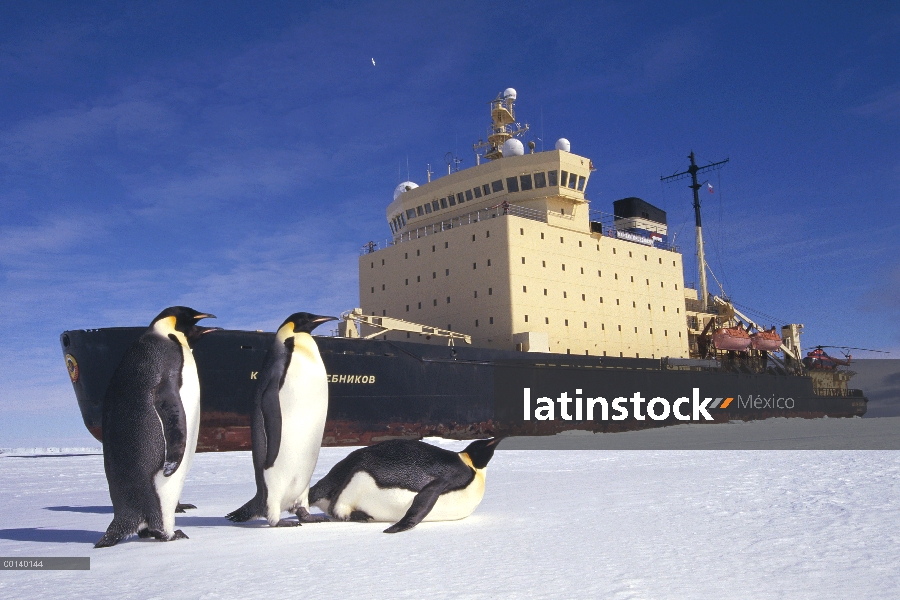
(503,126)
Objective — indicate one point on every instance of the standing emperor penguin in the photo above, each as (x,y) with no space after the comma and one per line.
(287,423)
(151,418)
(405,482)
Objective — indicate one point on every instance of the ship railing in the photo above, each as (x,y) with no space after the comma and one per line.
(501,210)
(838,392)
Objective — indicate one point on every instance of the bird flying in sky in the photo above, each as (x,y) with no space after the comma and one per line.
(373,62)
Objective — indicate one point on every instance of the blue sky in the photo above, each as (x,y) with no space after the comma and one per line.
(234,157)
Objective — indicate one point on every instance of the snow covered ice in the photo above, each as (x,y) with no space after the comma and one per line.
(553,523)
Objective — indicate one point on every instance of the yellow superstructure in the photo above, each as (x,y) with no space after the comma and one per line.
(506,252)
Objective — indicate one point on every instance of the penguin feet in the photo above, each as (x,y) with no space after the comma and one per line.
(144,533)
(360,516)
(162,537)
(182,507)
(304,517)
(286,523)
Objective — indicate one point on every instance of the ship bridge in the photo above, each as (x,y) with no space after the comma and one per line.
(508,252)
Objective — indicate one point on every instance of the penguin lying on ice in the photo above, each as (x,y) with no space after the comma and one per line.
(151,418)
(405,482)
(287,423)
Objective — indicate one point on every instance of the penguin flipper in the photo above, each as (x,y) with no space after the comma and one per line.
(174,422)
(182,507)
(271,413)
(421,506)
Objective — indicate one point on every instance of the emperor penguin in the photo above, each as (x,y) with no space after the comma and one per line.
(151,419)
(405,482)
(287,423)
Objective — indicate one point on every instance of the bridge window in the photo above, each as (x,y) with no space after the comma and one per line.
(580,184)
(525,182)
(459,198)
(420,211)
(435,206)
(551,178)
(487,189)
(451,200)
(497,186)
(512,184)
(477,191)
(443,203)
(411,213)
(540,180)
(573,179)
(469,195)
(564,177)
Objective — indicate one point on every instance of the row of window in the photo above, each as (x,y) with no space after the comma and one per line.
(521,232)
(602,326)
(513,184)
(546,321)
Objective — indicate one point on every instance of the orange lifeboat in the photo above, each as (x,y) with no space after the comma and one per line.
(766,340)
(731,338)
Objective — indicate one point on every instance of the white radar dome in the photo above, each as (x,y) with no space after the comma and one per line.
(512,147)
(563,144)
(404,187)
(509,93)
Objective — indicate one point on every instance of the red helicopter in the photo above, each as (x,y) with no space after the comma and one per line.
(819,359)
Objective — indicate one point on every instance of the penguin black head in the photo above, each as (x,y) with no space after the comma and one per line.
(185,321)
(481,451)
(304,322)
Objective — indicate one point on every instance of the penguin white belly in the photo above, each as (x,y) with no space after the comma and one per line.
(391,504)
(169,488)
(304,405)
(459,504)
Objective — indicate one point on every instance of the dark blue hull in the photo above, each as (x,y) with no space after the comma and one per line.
(381,390)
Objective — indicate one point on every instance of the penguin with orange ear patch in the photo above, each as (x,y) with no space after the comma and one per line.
(287,423)
(151,419)
(405,482)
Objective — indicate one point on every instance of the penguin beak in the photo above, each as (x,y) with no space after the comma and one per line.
(204,316)
(196,331)
(311,324)
(319,320)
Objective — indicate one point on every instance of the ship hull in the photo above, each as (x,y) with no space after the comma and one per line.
(382,390)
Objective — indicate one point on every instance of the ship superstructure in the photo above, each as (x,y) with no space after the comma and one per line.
(507,253)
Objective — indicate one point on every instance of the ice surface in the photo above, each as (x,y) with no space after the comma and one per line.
(553,524)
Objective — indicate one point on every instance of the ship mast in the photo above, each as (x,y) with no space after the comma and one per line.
(693,170)
(503,126)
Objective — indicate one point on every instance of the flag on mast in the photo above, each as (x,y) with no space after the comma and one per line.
(709,185)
